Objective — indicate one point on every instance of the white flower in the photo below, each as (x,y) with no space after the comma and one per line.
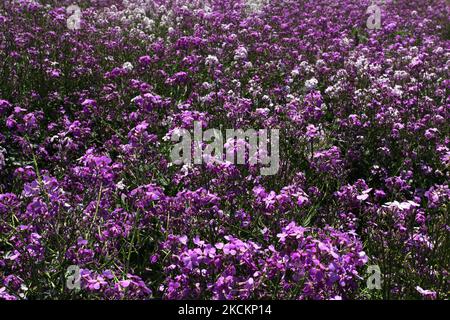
(127,66)
(255,5)
(248,65)
(206,85)
(295,72)
(361,63)
(345,41)
(211,60)
(400,74)
(120,185)
(311,83)
(240,53)
(397,91)
(401,205)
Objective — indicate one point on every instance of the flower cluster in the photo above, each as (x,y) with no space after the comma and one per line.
(86,180)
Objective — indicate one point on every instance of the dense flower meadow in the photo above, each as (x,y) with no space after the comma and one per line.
(86,178)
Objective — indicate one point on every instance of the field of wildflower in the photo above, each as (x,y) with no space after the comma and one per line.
(93,207)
